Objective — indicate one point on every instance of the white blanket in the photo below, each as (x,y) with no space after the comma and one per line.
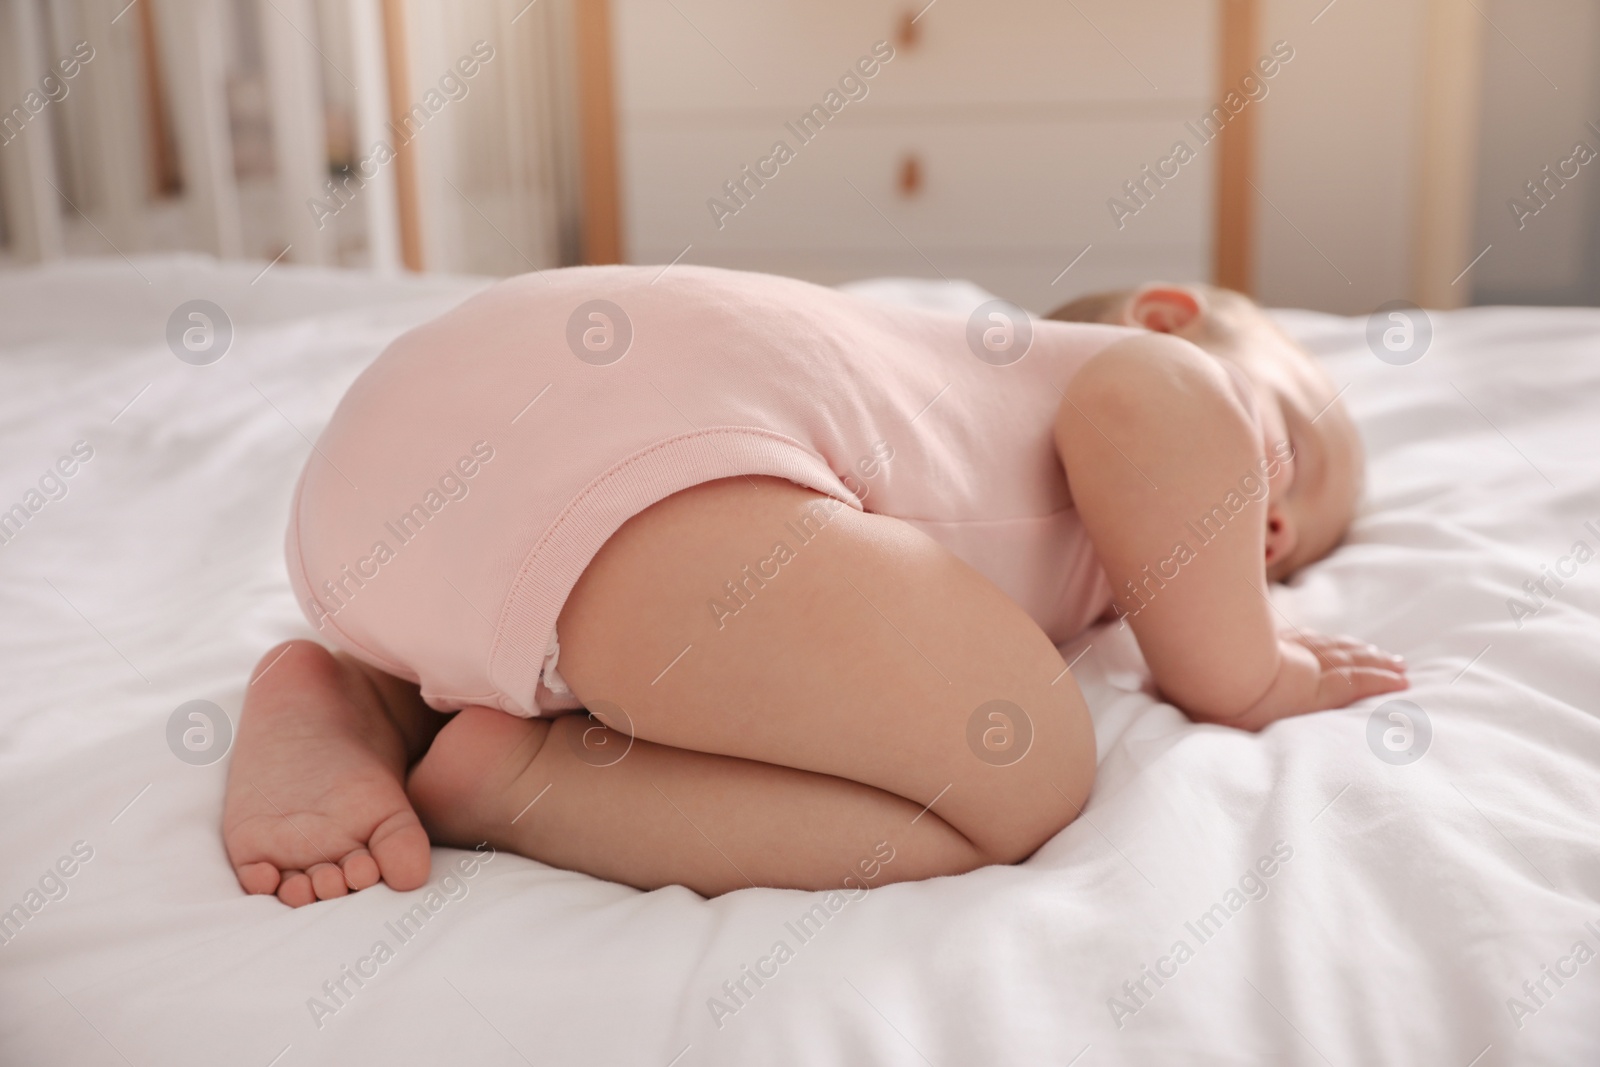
(1332,906)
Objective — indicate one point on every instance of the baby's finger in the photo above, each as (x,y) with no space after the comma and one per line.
(1338,689)
(1346,643)
(1341,658)
(1373,656)
(1330,651)
(1331,656)
(1346,652)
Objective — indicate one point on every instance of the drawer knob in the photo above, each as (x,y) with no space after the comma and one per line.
(907,34)
(910,182)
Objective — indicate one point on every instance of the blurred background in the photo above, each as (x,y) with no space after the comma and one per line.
(1330,155)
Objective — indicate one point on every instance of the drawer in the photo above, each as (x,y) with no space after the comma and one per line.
(733,55)
(999,183)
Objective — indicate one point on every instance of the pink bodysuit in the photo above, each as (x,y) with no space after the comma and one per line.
(474,469)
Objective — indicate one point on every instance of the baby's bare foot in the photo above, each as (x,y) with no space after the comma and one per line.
(316,803)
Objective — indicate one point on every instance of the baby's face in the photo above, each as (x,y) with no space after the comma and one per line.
(1313,496)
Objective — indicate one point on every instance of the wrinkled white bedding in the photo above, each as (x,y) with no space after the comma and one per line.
(1360,911)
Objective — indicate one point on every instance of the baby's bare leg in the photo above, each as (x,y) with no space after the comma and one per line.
(667,816)
(849,701)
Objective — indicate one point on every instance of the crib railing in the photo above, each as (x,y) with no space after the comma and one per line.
(429,134)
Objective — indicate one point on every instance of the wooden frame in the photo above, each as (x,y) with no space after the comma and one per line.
(600,227)
(165,177)
(33,200)
(405,161)
(1447,148)
(1234,233)
(381,196)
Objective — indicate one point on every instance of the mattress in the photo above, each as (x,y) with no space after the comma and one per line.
(1383,884)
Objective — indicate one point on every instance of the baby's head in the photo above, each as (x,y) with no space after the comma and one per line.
(1313,497)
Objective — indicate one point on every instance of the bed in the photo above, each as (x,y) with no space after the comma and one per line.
(1349,889)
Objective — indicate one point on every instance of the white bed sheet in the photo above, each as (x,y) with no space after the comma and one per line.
(1418,899)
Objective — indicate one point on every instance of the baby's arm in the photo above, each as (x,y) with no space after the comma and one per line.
(1152,438)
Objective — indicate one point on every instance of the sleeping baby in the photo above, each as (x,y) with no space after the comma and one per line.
(719,579)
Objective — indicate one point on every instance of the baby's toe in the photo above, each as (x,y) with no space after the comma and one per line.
(400,847)
(296,889)
(360,869)
(328,880)
(259,878)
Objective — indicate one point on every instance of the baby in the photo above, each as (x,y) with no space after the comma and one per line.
(804,559)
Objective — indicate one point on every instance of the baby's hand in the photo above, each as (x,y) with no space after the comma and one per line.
(1316,672)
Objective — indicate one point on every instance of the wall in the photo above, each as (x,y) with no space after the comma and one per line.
(1541,92)
(1337,155)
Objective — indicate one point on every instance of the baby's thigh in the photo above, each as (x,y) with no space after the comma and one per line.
(753,618)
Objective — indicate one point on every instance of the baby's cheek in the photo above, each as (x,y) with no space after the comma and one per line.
(1275,474)
(1279,452)
(1284,478)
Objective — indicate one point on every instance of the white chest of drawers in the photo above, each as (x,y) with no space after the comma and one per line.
(988,147)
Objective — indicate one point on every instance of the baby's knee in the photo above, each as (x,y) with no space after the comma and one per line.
(296,662)
(1036,811)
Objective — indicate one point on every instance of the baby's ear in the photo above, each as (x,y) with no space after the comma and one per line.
(1164,308)
(1282,536)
